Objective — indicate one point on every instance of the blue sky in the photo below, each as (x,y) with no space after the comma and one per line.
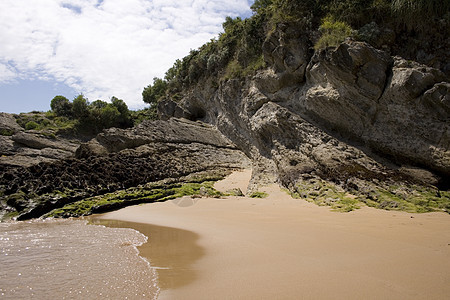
(101,48)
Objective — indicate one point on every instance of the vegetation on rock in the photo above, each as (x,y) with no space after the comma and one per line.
(92,117)
(333,33)
(237,52)
(258,195)
(48,123)
(295,117)
(405,197)
(151,192)
(81,117)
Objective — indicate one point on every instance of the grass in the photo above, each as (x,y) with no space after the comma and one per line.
(416,13)
(333,33)
(235,70)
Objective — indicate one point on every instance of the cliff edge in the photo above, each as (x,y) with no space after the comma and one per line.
(350,118)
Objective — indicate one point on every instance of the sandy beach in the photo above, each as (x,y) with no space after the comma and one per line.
(284,248)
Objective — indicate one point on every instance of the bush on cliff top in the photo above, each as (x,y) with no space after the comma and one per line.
(98,115)
(237,51)
(333,33)
(78,116)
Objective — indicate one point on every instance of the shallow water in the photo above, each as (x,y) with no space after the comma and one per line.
(173,252)
(69,259)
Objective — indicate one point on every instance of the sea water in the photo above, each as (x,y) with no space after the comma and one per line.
(69,259)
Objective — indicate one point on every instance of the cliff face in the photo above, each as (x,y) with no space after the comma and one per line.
(351,116)
(341,126)
(19,147)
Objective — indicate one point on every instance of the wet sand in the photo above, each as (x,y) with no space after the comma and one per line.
(284,248)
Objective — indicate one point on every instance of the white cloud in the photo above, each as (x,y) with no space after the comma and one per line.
(7,73)
(105,48)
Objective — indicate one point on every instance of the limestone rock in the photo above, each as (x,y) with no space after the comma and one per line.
(178,131)
(8,124)
(30,148)
(356,114)
(116,159)
(347,119)
(286,52)
(37,141)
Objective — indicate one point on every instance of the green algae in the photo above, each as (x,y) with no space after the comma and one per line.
(400,197)
(412,198)
(258,195)
(327,194)
(152,192)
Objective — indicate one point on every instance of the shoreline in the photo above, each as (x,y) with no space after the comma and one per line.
(279,247)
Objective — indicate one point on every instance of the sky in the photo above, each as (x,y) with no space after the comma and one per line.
(100,48)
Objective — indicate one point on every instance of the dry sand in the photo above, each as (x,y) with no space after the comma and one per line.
(284,248)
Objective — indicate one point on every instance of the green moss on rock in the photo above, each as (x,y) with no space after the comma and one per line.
(258,195)
(401,196)
(415,199)
(327,194)
(152,192)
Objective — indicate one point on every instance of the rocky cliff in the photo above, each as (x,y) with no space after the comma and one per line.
(162,155)
(345,120)
(20,147)
(342,126)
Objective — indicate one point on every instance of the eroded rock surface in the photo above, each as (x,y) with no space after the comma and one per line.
(116,160)
(344,125)
(355,118)
(26,148)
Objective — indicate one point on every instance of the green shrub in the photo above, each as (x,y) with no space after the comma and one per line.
(416,14)
(139,116)
(61,106)
(233,70)
(333,33)
(354,12)
(31,125)
(255,65)
(152,93)
(80,107)
(6,132)
(109,116)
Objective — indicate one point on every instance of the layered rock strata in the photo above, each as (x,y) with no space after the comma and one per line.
(116,160)
(19,147)
(352,118)
(340,126)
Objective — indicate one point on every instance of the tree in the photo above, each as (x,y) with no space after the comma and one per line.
(122,108)
(61,106)
(98,104)
(232,25)
(120,105)
(260,5)
(109,116)
(80,107)
(152,93)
